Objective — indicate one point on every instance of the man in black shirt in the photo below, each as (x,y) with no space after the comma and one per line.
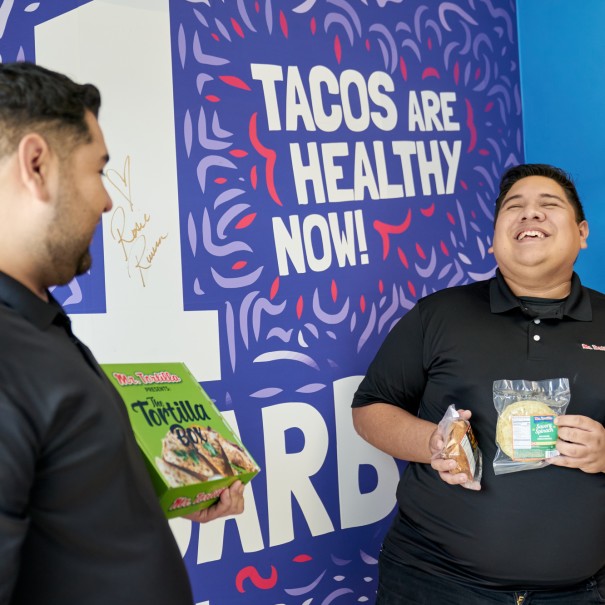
(526,537)
(80,523)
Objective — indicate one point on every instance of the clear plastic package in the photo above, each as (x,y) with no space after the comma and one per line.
(526,433)
(460,444)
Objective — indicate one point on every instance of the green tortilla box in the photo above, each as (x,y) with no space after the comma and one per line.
(191,453)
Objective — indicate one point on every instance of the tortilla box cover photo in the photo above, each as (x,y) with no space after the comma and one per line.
(192,454)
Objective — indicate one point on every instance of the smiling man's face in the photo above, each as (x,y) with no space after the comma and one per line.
(536,233)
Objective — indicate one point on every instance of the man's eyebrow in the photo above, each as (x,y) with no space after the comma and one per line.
(553,196)
(512,197)
(542,195)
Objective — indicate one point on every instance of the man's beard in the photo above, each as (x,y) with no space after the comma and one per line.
(68,252)
(84,263)
(64,262)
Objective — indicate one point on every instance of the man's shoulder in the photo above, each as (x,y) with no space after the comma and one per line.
(597,299)
(16,334)
(594,293)
(472,292)
(10,322)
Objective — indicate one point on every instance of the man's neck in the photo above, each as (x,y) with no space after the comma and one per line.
(553,289)
(23,278)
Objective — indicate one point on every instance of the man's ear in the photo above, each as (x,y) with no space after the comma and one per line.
(36,165)
(583,228)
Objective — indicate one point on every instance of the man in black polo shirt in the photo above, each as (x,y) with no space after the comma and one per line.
(527,537)
(79,520)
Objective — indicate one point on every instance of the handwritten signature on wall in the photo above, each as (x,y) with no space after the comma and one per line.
(130,227)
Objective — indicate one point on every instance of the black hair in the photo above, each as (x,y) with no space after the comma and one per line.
(33,98)
(516,173)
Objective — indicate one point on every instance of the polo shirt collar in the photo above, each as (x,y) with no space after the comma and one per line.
(576,306)
(15,295)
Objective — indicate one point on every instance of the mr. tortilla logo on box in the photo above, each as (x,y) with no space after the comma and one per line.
(124,380)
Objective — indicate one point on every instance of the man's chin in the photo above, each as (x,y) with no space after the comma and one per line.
(84,264)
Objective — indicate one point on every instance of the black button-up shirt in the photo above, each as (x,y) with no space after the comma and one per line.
(537,528)
(79,520)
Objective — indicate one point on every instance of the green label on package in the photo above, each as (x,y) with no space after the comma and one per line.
(191,453)
(534,437)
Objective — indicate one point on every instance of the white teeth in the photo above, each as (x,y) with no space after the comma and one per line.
(525,234)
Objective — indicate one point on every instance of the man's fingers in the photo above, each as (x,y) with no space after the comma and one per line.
(231,502)
(446,470)
(465,414)
(454,478)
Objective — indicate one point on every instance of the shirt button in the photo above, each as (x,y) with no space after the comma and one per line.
(536,337)
(536,321)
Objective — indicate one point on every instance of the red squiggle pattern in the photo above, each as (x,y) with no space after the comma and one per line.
(428,211)
(246,221)
(274,288)
(337,49)
(283,23)
(269,155)
(299,307)
(403,258)
(237,27)
(253,177)
(251,573)
(430,72)
(234,81)
(404,68)
(385,230)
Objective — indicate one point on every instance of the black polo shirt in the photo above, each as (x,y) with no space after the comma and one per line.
(79,520)
(530,529)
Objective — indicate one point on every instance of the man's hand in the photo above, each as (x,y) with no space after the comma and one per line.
(445,467)
(231,502)
(581,444)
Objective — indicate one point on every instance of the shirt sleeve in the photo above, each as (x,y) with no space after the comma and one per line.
(397,374)
(18,451)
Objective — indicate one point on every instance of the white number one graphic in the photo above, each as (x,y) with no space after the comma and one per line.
(124,48)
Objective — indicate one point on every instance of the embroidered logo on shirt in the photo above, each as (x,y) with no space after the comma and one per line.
(593,347)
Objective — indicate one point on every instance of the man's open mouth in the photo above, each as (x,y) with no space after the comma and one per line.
(530,234)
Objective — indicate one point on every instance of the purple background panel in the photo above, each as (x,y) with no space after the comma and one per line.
(289,337)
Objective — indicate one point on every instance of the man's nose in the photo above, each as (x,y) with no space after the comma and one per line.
(108,203)
(533,212)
